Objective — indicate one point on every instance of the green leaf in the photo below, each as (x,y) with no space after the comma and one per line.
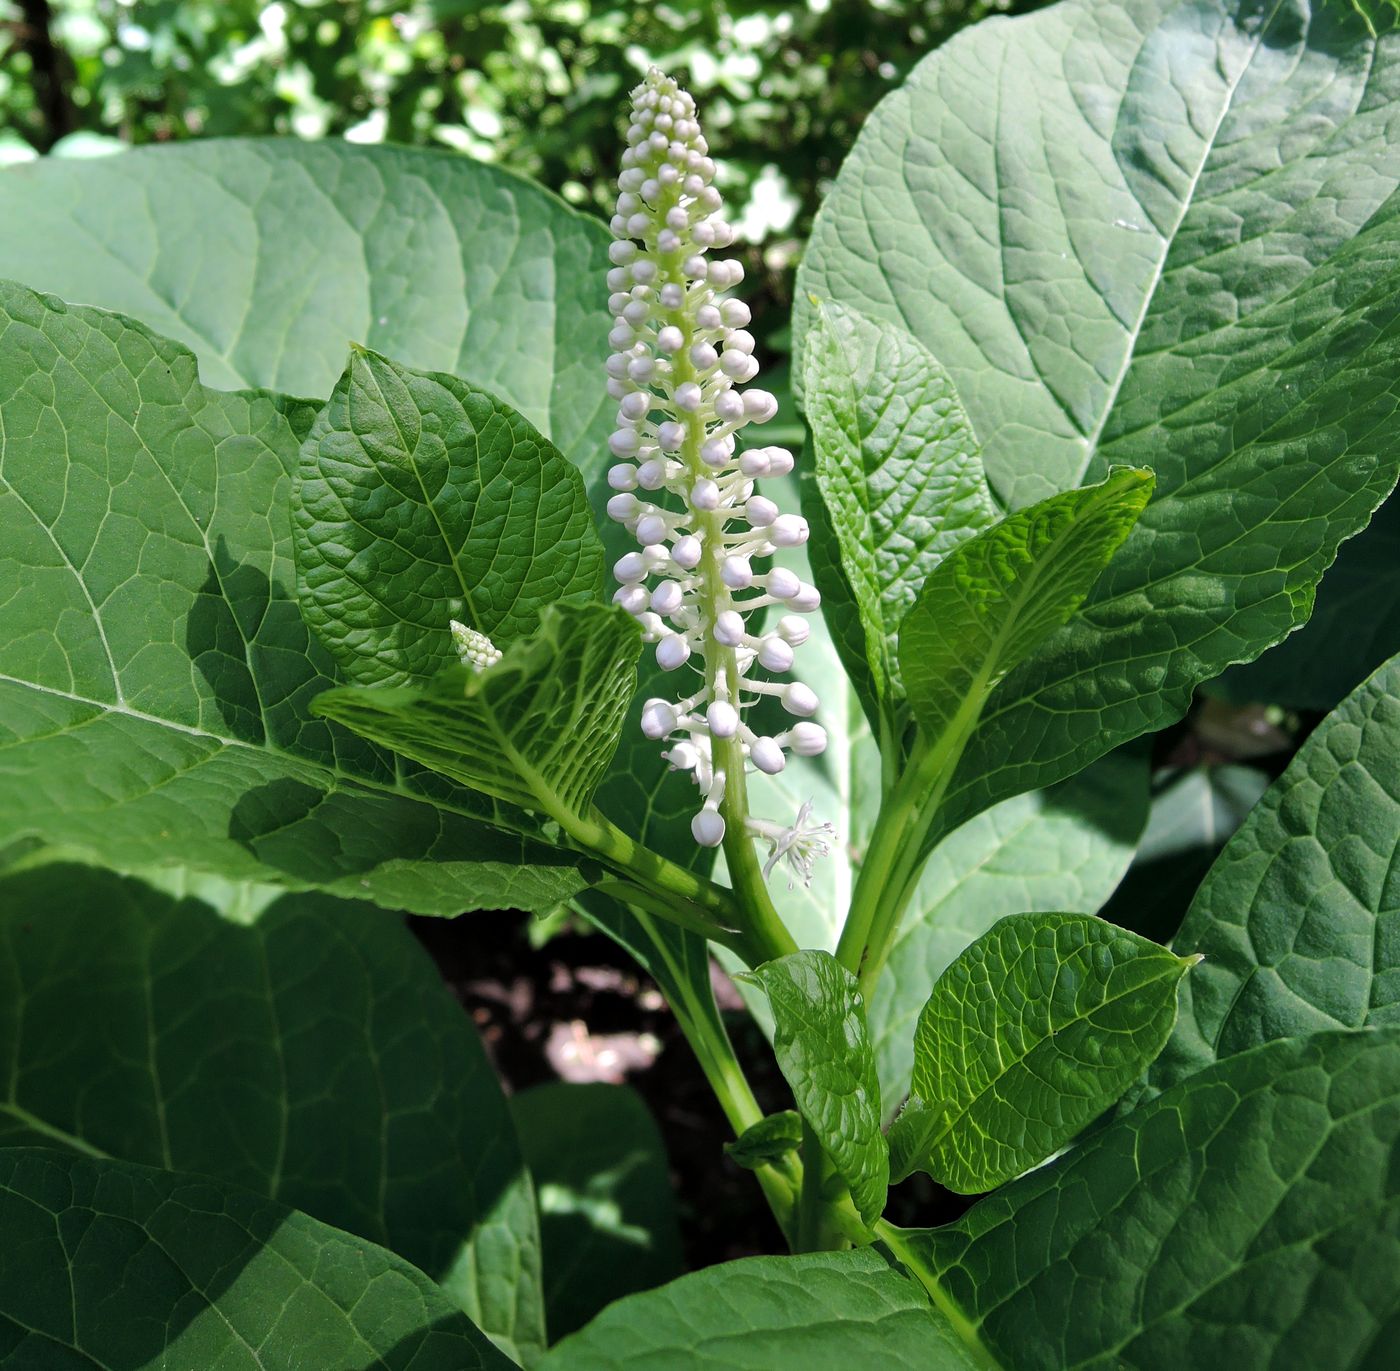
(421,499)
(1194,268)
(607,1214)
(538,729)
(994,599)
(1299,918)
(1031,1034)
(823,1051)
(898,468)
(823,1311)
(911,1135)
(116,1266)
(265,257)
(1248,1217)
(1353,630)
(157,681)
(1056,849)
(309,1053)
(768,1140)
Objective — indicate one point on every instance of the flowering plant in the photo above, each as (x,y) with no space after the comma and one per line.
(1090,405)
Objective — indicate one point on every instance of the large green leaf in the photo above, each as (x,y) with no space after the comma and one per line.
(311,1054)
(991,603)
(266,258)
(538,729)
(1188,259)
(1031,1033)
(157,678)
(898,467)
(1354,628)
(826,1311)
(607,1214)
(1056,849)
(1249,1217)
(823,1050)
(1299,918)
(119,1267)
(421,499)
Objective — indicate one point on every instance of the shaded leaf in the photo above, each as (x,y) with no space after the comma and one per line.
(420,499)
(825,1311)
(1031,1034)
(157,681)
(607,1215)
(771,1139)
(308,1052)
(116,1266)
(823,1051)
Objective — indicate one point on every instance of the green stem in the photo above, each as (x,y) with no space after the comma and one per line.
(897,1240)
(811,1211)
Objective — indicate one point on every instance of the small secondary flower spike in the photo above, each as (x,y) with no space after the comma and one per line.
(680,354)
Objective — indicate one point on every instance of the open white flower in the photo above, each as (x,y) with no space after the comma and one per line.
(800,845)
(681,352)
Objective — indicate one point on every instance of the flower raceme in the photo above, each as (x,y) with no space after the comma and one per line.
(680,354)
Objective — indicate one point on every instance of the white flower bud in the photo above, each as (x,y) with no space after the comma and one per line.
(741,340)
(788,530)
(780,461)
(625,442)
(708,316)
(674,651)
(707,828)
(696,268)
(658,718)
(703,356)
(735,314)
(670,339)
(672,295)
(760,512)
(629,567)
(651,475)
(754,462)
(689,396)
(794,629)
(736,573)
(622,507)
(729,628)
(620,254)
(800,700)
(806,600)
(641,368)
(767,756)
(667,597)
(775,654)
(729,406)
(704,494)
(644,272)
(716,451)
(634,406)
(623,476)
(723,719)
(670,435)
(783,584)
(683,756)
(807,739)
(651,528)
(633,598)
(760,405)
(686,552)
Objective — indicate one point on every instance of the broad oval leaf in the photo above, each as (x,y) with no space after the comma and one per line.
(110,1265)
(1248,1217)
(1299,918)
(898,467)
(157,682)
(265,257)
(1189,260)
(1065,848)
(607,1213)
(420,499)
(538,729)
(823,1050)
(994,599)
(1033,1031)
(308,1052)
(823,1311)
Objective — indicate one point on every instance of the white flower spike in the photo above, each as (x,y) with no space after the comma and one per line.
(475,649)
(680,354)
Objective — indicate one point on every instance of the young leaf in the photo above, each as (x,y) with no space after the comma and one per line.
(769,1140)
(607,1214)
(1162,288)
(156,687)
(115,1266)
(536,730)
(823,1051)
(421,499)
(995,599)
(1247,1217)
(823,1311)
(1062,848)
(263,256)
(308,1052)
(1032,1033)
(898,467)
(1298,918)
